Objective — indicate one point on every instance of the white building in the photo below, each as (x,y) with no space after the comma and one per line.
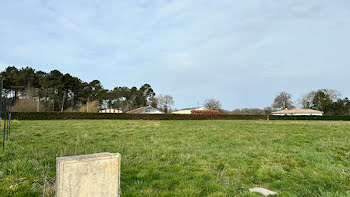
(298,112)
(189,110)
(145,110)
(115,111)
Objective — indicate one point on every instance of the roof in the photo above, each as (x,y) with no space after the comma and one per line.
(141,110)
(194,108)
(205,111)
(297,111)
(138,109)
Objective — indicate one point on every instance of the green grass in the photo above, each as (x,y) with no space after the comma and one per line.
(186,158)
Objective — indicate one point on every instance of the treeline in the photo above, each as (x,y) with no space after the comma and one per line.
(251,111)
(56,91)
(327,100)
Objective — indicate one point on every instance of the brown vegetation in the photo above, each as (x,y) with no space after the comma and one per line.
(26,105)
(90,107)
(28,102)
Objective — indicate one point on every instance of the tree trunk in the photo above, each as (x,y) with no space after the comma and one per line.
(46,99)
(38,105)
(15,95)
(64,95)
(73,103)
(87,105)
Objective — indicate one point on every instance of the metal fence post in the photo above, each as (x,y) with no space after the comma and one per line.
(3,138)
(1,86)
(8,115)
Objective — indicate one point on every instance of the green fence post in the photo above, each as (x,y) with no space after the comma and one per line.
(3,139)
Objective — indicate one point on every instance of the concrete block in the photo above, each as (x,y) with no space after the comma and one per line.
(262,191)
(88,175)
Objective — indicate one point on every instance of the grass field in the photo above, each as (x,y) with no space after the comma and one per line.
(186,158)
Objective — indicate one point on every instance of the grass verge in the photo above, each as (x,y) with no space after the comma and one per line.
(186,158)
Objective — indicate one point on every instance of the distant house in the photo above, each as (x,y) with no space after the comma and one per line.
(188,110)
(209,111)
(198,110)
(298,112)
(115,111)
(145,110)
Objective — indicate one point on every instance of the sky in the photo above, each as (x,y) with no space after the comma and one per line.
(242,53)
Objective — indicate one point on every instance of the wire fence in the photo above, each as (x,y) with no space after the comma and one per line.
(5,115)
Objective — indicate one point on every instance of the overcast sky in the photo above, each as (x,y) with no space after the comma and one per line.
(242,53)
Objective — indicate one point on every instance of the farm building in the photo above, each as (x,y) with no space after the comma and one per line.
(209,111)
(115,111)
(298,112)
(199,110)
(145,110)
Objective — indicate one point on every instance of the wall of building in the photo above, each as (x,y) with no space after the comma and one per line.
(111,111)
(151,111)
(182,112)
(188,111)
(300,114)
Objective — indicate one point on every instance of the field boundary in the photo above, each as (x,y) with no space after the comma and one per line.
(84,115)
(80,115)
(343,118)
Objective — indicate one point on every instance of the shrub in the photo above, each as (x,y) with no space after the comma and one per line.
(79,115)
(27,105)
(90,107)
(345,118)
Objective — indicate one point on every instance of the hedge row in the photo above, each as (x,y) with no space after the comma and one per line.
(345,118)
(78,115)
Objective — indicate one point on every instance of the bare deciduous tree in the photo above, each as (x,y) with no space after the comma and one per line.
(252,111)
(212,104)
(306,101)
(165,102)
(268,110)
(283,101)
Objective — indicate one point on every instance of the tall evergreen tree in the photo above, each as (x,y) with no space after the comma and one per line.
(59,92)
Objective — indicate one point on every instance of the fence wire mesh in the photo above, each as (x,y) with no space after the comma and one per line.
(5,115)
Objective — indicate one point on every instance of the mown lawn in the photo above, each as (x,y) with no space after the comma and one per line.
(186,158)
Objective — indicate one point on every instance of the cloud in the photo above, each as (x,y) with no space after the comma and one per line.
(231,50)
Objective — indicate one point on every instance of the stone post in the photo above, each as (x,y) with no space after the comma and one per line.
(95,175)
